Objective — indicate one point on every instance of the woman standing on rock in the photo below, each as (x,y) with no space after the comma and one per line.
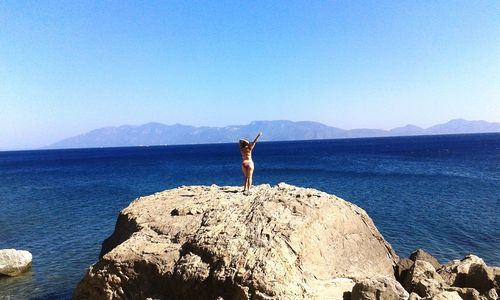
(247,164)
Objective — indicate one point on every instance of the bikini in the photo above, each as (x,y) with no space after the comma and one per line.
(248,162)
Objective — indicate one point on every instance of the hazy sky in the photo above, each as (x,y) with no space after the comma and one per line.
(68,67)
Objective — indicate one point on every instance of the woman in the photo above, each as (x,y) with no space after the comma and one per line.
(247,164)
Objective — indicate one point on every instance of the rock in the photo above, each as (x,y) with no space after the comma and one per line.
(414,296)
(469,272)
(480,277)
(496,273)
(423,280)
(446,295)
(420,254)
(200,242)
(379,287)
(465,293)
(402,269)
(14,262)
(454,271)
(492,294)
(338,288)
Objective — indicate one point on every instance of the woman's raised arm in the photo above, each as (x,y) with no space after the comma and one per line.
(256,138)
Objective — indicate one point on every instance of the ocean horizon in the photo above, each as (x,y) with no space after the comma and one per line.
(440,193)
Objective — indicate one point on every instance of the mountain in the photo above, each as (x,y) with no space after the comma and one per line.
(407,130)
(463,126)
(281,130)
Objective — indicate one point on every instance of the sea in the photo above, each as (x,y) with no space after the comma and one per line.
(438,193)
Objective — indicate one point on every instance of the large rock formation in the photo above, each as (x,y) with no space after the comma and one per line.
(14,262)
(199,242)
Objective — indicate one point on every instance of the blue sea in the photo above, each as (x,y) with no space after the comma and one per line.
(439,193)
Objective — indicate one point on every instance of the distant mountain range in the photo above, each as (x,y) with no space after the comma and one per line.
(160,134)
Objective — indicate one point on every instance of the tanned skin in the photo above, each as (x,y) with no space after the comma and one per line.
(247,165)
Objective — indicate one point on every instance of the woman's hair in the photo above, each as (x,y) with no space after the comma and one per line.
(244,143)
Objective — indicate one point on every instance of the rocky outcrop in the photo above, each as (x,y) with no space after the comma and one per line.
(281,242)
(468,279)
(199,242)
(14,262)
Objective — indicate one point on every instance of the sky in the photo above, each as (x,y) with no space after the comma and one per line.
(67,67)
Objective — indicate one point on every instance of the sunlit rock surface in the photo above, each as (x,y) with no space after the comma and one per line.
(205,242)
(14,262)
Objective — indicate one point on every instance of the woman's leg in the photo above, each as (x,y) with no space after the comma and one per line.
(250,176)
(245,177)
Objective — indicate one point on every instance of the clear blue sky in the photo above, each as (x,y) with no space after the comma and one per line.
(67,67)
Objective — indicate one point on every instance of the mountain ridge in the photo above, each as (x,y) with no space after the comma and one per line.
(155,133)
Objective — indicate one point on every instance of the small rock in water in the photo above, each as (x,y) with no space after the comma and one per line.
(13,262)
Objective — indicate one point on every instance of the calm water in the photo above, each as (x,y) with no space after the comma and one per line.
(440,193)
